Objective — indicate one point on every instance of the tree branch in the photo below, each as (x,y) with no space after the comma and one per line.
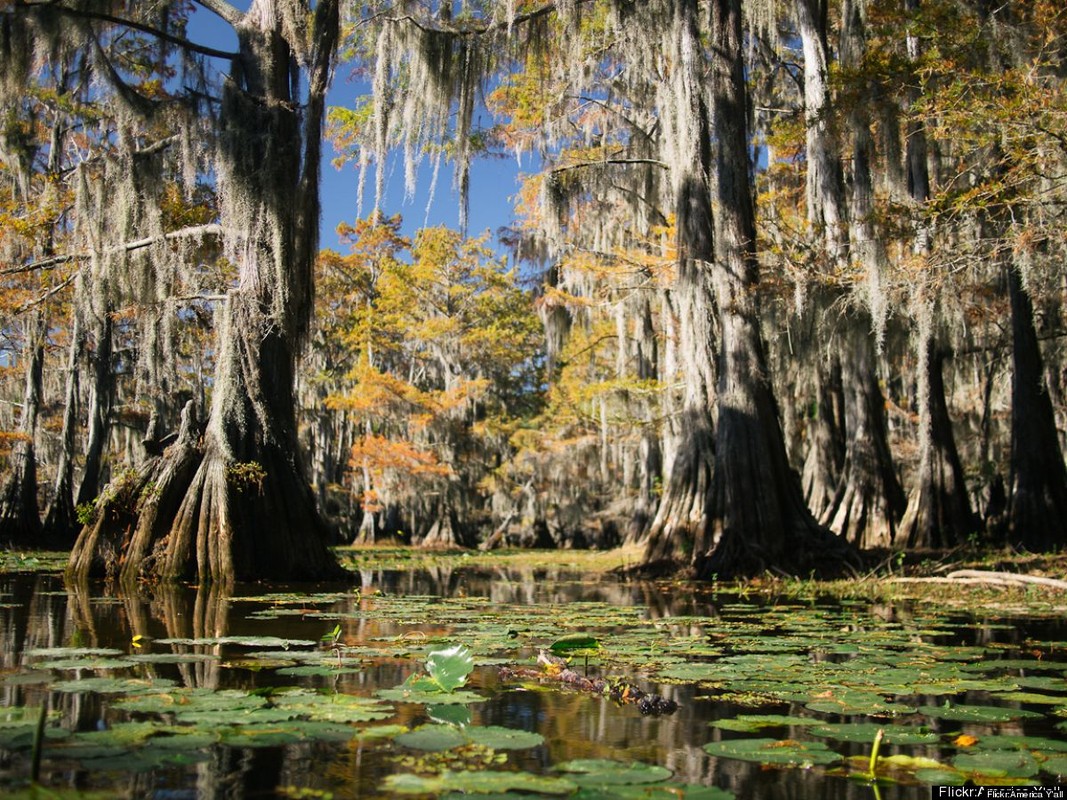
(45,263)
(229,13)
(519,19)
(177,41)
(45,297)
(210,229)
(583,164)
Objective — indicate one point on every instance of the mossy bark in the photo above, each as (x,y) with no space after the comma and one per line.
(20,521)
(236,504)
(939,514)
(756,516)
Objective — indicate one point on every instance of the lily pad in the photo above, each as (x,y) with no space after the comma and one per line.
(432,738)
(113,685)
(779,752)
(605,772)
(405,695)
(450,667)
(747,723)
(498,738)
(484,782)
(866,731)
(997,763)
(990,714)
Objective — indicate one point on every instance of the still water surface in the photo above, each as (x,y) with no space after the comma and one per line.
(92,657)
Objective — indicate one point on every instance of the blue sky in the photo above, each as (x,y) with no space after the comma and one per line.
(492,183)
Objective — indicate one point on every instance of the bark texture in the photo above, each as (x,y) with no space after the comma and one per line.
(20,521)
(939,514)
(1037,502)
(756,515)
(235,504)
(869,500)
(680,517)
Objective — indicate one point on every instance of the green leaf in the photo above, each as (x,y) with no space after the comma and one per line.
(978,713)
(786,752)
(499,738)
(449,668)
(478,783)
(575,641)
(432,738)
(606,772)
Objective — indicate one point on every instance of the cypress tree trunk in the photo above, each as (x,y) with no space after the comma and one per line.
(680,518)
(756,515)
(20,521)
(1037,502)
(237,505)
(939,512)
(99,413)
(869,501)
(61,524)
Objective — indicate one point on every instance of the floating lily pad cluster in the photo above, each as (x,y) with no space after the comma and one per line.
(792,686)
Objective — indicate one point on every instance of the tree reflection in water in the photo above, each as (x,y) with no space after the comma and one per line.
(386,627)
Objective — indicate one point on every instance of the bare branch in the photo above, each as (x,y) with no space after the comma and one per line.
(178,41)
(45,263)
(210,229)
(599,162)
(47,295)
(223,9)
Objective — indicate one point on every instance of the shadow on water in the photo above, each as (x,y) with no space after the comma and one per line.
(85,653)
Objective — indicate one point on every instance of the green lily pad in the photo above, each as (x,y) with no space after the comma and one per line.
(89,662)
(866,731)
(331,707)
(113,685)
(73,652)
(1033,698)
(484,782)
(606,772)
(449,668)
(989,714)
(457,715)
(747,723)
(997,763)
(171,658)
(574,642)
(786,752)
(405,695)
(498,738)
(432,738)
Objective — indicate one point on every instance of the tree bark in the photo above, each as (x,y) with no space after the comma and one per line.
(99,412)
(869,501)
(1037,501)
(756,517)
(238,506)
(825,456)
(939,513)
(20,521)
(680,517)
(61,521)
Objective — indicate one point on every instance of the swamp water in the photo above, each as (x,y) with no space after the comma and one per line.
(174,694)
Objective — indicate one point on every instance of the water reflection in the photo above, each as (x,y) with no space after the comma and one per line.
(39,614)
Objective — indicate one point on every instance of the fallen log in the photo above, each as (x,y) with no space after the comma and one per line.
(989,578)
